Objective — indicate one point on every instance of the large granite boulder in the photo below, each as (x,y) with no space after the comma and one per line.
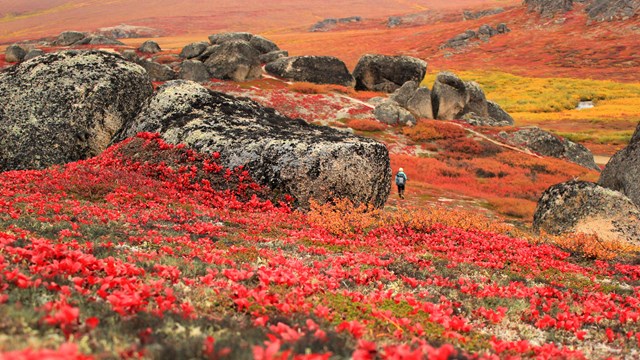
(387,73)
(420,103)
(390,112)
(67,38)
(222,38)
(33,53)
(193,50)
(548,144)
(315,69)
(477,103)
(158,72)
(14,53)
(234,60)
(289,156)
(194,70)
(404,93)
(66,106)
(99,40)
(449,96)
(149,47)
(584,207)
(263,45)
(273,56)
(498,116)
(549,8)
(622,172)
(417,100)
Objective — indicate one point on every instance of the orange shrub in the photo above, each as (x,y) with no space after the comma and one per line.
(366,125)
(342,216)
(590,246)
(517,208)
(429,130)
(311,88)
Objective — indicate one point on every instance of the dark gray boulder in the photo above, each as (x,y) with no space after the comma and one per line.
(289,156)
(390,112)
(502,28)
(404,93)
(33,53)
(584,207)
(609,10)
(149,47)
(66,106)
(449,96)
(14,53)
(622,172)
(130,55)
(315,69)
(273,56)
(193,50)
(158,72)
(263,45)
(473,15)
(547,144)
(194,70)
(486,31)
(394,21)
(67,38)
(222,38)
(98,40)
(549,8)
(498,116)
(234,60)
(387,73)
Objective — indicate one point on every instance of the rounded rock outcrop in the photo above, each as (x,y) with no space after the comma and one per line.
(314,69)
(14,53)
(584,207)
(622,172)
(287,155)
(234,60)
(387,73)
(149,47)
(66,106)
(449,96)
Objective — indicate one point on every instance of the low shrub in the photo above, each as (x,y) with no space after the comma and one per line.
(366,125)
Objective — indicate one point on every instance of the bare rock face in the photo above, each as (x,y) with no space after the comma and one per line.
(194,70)
(273,56)
(622,172)
(14,53)
(33,53)
(221,38)
(387,73)
(158,72)
(193,50)
(98,40)
(579,206)
(404,93)
(263,45)
(547,144)
(390,112)
(420,103)
(234,60)
(549,8)
(289,156)
(66,106)
(498,116)
(315,69)
(449,96)
(477,103)
(417,100)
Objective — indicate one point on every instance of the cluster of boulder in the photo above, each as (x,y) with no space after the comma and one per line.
(484,33)
(19,52)
(71,105)
(330,23)
(597,10)
(69,38)
(474,15)
(451,98)
(610,208)
(124,31)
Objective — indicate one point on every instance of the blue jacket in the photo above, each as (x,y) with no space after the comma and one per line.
(401,175)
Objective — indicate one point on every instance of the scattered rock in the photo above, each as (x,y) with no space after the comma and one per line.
(622,172)
(328,24)
(315,69)
(158,72)
(193,50)
(549,8)
(470,15)
(263,45)
(33,53)
(502,28)
(289,156)
(149,47)
(14,53)
(390,112)
(387,73)
(194,70)
(486,31)
(68,38)
(449,96)
(217,39)
(234,60)
(66,106)
(583,207)
(547,144)
(273,56)
(394,21)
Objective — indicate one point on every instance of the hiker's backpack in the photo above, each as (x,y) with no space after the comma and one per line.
(400,179)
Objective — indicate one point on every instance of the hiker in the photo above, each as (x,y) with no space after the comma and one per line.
(401,180)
